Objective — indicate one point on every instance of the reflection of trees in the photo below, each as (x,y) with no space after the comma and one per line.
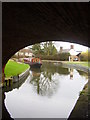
(48,84)
(45,84)
(45,81)
(55,68)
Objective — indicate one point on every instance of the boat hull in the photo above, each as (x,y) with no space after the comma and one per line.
(33,62)
(37,65)
(34,65)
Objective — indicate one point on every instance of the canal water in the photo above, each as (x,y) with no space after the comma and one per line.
(49,92)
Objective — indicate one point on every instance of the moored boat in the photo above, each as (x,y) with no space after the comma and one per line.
(33,62)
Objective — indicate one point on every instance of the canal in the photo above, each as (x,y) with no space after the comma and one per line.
(49,92)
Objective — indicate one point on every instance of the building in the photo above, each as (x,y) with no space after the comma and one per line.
(74,55)
(24,53)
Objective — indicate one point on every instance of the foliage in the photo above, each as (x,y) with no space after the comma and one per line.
(85,56)
(49,52)
(64,56)
(47,49)
(59,57)
(37,48)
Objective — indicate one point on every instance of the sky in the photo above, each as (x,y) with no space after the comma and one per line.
(66,45)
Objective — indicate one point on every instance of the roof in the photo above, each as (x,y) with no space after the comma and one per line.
(74,52)
(25,50)
(71,51)
(65,50)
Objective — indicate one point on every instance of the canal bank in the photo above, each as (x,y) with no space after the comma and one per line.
(81,111)
(16,85)
(17,81)
(14,72)
(76,66)
(67,64)
(82,107)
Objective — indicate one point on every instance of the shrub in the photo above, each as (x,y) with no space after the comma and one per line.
(85,56)
(60,57)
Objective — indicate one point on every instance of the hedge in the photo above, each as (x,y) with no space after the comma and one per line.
(59,57)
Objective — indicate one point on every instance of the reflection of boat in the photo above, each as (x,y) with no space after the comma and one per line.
(33,62)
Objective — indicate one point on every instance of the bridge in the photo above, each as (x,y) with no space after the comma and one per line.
(25,24)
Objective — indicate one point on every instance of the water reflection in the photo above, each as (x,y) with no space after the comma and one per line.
(54,68)
(48,92)
(84,74)
(45,81)
(71,73)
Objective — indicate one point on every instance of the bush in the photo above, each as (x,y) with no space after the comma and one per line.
(59,57)
(64,56)
(85,56)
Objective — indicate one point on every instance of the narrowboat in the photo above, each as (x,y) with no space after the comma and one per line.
(33,62)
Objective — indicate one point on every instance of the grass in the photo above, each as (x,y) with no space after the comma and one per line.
(13,68)
(86,64)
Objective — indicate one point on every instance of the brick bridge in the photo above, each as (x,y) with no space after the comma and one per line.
(24,24)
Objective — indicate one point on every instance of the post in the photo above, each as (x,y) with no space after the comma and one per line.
(6,82)
(69,58)
(9,83)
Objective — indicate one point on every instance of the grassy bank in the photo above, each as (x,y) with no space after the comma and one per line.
(13,68)
(86,64)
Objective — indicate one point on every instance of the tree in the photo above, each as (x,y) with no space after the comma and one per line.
(49,48)
(85,56)
(54,50)
(46,50)
(36,48)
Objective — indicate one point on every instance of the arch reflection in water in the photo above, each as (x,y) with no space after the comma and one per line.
(47,93)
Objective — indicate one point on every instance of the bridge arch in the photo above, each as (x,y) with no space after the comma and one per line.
(25,24)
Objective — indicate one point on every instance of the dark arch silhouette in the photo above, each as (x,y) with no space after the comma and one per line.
(25,24)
